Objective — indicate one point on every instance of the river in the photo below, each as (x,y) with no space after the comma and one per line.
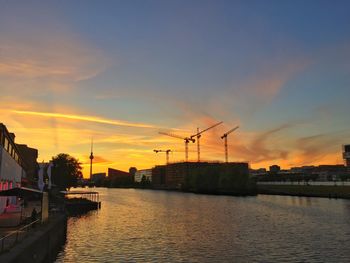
(159,226)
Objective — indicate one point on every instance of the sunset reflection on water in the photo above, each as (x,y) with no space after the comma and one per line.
(159,226)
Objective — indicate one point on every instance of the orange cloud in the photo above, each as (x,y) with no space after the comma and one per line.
(120,149)
(279,145)
(270,80)
(97,160)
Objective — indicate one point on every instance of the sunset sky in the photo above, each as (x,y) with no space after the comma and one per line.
(121,71)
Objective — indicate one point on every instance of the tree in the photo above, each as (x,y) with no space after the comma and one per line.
(344,177)
(65,171)
(132,172)
(145,181)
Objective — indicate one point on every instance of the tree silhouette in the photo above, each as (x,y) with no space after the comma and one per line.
(65,171)
(145,181)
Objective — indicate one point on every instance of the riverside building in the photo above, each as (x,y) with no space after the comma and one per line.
(178,175)
(11,161)
(11,166)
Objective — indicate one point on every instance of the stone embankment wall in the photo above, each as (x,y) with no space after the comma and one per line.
(329,191)
(43,244)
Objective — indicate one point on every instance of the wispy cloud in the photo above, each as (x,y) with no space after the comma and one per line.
(45,57)
(261,148)
(250,94)
(85,118)
(313,149)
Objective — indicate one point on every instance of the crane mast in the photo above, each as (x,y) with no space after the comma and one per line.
(226,150)
(198,147)
(224,136)
(198,135)
(186,140)
(166,154)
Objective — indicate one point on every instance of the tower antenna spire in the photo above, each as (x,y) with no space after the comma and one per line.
(91,157)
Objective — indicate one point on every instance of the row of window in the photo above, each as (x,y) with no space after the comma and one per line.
(6,185)
(5,142)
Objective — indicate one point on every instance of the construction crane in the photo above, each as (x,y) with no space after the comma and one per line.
(198,135)
(166,153)
(186,139)
(225,137)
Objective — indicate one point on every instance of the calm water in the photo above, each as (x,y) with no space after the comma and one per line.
(158,226)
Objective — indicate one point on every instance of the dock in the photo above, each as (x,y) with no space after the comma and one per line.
(80,202)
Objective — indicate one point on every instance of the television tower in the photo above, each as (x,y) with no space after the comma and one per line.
(91,158)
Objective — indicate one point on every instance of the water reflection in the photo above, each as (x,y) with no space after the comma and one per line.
(159,226)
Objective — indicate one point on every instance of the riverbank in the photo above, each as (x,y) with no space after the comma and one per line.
(329,191)
(42,245)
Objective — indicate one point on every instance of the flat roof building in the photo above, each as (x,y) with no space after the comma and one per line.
(346,155)
(180,175)
(30,156)
(118,177)
(158,175)
(98,177)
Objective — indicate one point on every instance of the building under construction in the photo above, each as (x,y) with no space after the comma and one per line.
(346,155)
(211,177)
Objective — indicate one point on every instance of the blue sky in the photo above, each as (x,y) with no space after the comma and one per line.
(279,69)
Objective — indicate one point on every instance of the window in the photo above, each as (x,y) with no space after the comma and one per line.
(9,148)
(6,144)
